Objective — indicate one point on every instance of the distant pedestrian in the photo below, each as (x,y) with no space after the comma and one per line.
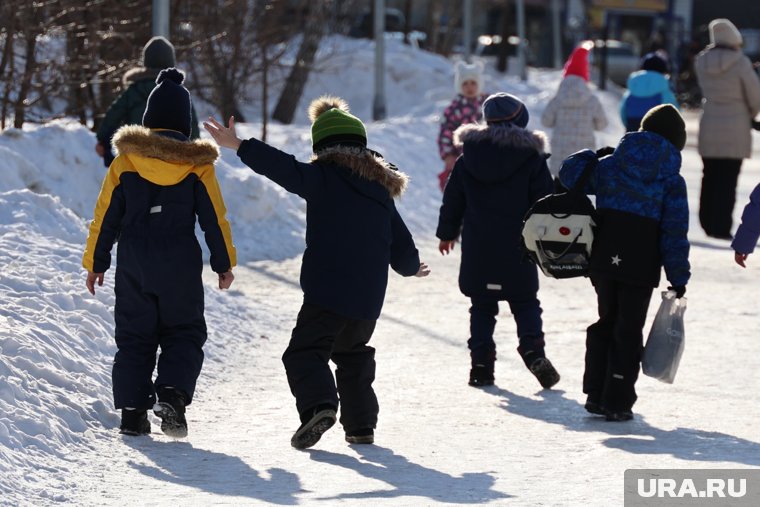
(153,191)
(500,174)
(129,107)
(574,113)
(464,109)
(353,234)
(731,91)
(643,221)
(646,88)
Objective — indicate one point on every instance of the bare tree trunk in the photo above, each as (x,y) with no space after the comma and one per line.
(264,92)
(30,66)
(7,59)
(501,59)
(299,73)
(407,20)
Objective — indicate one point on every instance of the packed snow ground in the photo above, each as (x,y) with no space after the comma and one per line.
(438,441)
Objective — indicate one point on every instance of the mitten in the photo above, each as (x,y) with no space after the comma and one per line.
(680,290)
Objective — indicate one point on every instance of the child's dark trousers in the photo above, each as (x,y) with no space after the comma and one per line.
(614,344)
(320,336)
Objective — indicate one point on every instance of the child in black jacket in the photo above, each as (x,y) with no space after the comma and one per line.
(150,197)
(500,174)
(353,233)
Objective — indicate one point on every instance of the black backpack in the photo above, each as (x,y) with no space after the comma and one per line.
(558,230)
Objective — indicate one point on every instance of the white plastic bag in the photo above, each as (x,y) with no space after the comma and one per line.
(665,344)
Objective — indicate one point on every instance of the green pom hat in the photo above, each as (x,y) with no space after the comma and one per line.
(334,125)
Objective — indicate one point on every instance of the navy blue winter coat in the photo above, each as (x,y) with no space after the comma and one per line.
(500,174)
(353,230)
(642,207)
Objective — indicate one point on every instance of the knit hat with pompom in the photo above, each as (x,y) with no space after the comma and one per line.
(334,125)
(169,105)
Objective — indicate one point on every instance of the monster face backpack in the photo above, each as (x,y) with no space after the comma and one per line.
(558,230)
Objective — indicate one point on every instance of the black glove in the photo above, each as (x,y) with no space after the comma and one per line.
(603,152)
(756,124)
(680,290)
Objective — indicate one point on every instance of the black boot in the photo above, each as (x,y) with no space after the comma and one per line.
(544,371)
(134,422)
(361,436)
(171,409)
(314,422)
(481,375)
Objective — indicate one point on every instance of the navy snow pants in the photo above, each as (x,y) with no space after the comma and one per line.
(527,315)
(320,336)
(159,303)
(614,344)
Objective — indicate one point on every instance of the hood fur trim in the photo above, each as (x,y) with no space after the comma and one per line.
(367,165)
(501,135)
(138,74)
(324,104)
(134,139)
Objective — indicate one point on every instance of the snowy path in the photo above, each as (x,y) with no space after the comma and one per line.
(440,441)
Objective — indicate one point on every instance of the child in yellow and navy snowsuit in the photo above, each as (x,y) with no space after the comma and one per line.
(157,185)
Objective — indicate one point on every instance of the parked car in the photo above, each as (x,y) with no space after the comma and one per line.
(621,60)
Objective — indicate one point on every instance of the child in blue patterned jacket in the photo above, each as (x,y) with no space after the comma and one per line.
(643,218)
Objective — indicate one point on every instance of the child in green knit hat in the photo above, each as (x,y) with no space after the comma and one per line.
(353,233)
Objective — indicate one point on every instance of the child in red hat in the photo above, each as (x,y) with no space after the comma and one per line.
(574,112)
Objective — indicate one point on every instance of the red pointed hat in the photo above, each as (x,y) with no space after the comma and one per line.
(577,64)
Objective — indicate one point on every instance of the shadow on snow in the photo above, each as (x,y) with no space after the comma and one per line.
(637,436)
(409,479)
(213,472)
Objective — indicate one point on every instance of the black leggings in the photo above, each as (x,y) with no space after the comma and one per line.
(718,195)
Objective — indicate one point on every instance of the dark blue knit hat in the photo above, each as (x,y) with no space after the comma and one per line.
(168,104)
(505,108)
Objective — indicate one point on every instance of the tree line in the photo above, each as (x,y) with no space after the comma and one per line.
(67,57)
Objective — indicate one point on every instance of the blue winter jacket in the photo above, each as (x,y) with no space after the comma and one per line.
(643,210)
(500,174)
(749,230)
(353,230)
(646,89)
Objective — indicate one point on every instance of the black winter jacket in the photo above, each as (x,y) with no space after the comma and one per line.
(353,230)
(500,174)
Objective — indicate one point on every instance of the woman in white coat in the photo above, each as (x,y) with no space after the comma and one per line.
(731,91)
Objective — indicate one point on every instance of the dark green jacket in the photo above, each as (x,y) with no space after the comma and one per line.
(129,107)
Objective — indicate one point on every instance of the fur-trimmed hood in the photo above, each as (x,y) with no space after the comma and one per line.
(501,135)
(162,159)
(495,152)
(366,164)
(136,74)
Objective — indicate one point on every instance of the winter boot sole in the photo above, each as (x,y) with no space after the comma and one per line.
(360,439)
(545,373)
(475,382)
(134,433)
(172,423)
(311,431)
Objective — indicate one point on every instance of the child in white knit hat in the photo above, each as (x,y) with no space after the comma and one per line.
(465,108)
